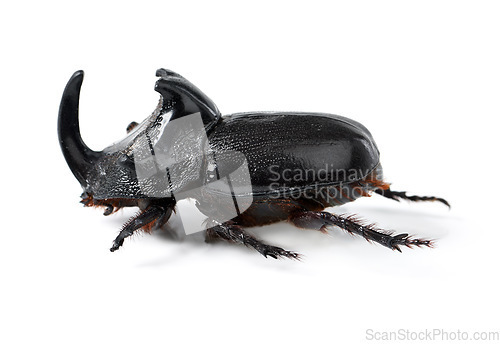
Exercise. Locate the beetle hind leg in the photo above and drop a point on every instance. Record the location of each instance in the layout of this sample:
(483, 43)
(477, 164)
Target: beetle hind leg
(398, 195)
(320, 220)
(232, 232)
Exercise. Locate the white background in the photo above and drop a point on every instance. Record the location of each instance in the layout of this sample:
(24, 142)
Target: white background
(423, 76)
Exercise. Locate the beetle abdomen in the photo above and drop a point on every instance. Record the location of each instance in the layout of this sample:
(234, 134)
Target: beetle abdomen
(293, 151)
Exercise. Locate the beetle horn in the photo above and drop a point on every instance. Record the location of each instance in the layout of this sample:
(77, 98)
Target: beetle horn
(79, 157)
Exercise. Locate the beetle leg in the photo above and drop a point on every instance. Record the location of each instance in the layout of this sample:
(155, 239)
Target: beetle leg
(398, 195)
(232, 232)
(319, 220)
(142, 219)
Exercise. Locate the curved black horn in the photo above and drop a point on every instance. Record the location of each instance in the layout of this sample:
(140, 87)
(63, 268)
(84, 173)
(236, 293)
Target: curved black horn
(79, 157)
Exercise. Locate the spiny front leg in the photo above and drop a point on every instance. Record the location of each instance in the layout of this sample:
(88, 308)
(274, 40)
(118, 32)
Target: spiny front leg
(319, 220)
(232, 232)
(141, 220)
(398, 195)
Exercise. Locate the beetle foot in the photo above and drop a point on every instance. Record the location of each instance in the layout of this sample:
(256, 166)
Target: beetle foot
(116, 245)
(399, 195)
(277, 252)
(408, 241)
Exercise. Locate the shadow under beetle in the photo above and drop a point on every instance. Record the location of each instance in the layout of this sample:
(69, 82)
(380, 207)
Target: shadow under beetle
(297, 164)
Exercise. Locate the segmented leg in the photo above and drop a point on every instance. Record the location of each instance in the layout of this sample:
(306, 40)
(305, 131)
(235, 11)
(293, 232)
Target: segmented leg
(131, 126)
(319, 220)
(398, 195)
(141, 220)
(232, 232)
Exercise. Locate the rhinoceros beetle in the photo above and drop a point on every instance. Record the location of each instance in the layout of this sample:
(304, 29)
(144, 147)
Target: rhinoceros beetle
(243, 170)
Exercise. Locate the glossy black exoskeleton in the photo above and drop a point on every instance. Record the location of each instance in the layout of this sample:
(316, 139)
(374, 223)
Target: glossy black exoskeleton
(245, 169)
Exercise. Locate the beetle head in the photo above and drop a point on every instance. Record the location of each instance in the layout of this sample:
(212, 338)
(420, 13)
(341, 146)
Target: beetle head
(112, 172)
